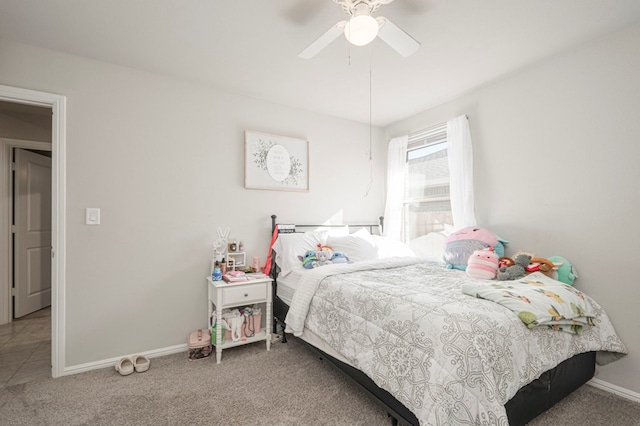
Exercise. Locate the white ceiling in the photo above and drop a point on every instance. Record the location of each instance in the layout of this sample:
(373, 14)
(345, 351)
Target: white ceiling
(250, 47)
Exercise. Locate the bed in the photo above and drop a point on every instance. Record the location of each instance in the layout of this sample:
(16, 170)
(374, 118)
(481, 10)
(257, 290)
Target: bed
(401, 328)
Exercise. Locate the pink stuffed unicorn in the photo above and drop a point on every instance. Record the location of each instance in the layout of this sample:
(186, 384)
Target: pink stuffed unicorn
(483, 264)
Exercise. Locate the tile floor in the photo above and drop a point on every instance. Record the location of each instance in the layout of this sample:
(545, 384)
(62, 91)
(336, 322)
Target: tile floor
(25, 349)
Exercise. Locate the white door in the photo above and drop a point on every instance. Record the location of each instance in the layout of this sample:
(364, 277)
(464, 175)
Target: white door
(32, 241)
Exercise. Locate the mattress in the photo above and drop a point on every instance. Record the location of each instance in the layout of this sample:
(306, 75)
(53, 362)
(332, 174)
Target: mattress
(531, 400)
(287, 285)
(284, 291)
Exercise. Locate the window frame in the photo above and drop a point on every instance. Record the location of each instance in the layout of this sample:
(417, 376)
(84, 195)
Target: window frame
(424, 138)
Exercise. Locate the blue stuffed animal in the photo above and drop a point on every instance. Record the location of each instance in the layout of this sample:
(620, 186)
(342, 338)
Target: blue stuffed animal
(566, 271)
(309, 260)
(339, 257)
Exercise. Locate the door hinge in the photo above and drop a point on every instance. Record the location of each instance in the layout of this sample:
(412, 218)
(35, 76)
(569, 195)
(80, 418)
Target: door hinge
(13, 166)
(13, 291)
(53, 253)
(13, 229)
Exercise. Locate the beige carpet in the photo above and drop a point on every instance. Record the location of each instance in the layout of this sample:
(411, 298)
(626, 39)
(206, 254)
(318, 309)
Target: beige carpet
(286, 386)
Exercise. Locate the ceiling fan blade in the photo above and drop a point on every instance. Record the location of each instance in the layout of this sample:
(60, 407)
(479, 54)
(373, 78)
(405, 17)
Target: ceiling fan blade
(399, 40)
(323, 41)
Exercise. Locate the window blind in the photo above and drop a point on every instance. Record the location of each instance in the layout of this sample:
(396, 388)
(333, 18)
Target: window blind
(429, 136)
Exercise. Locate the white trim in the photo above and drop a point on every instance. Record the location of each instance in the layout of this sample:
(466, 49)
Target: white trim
(27, 144)
(111, 362)
(170, 350)
(615, 389)
(57, 103)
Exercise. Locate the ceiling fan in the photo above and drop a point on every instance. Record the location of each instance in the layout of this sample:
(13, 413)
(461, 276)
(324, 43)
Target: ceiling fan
(362, 28)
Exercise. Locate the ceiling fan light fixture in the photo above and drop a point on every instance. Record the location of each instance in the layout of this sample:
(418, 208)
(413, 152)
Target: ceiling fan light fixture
(361, 29)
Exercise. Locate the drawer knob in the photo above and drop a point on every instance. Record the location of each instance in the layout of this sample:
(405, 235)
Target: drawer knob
(246, 295)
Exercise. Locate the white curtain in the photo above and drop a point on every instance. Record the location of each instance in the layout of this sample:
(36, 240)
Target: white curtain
(460, 153)
(396, 166)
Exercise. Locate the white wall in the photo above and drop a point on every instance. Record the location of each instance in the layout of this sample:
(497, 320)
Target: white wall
(164, 161)
(556, 151)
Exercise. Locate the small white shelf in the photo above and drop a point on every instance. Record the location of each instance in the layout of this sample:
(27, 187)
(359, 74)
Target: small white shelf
(239, 258)
(260, 337)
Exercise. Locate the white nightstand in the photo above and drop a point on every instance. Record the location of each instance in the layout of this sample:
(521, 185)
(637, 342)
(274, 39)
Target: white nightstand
(239, 294)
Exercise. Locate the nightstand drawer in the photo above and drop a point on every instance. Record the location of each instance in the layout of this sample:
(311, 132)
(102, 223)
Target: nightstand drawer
(244, 294)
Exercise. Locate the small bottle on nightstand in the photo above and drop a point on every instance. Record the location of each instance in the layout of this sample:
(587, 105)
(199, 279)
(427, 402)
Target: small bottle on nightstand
(217, 273)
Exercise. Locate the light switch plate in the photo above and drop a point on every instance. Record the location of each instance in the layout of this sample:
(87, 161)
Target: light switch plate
(92, 216)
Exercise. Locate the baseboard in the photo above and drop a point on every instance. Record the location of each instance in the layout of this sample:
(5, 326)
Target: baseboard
(111, 362)
(617, 390)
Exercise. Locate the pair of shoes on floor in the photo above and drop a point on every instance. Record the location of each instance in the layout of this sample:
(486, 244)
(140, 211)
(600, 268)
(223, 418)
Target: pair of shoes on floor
(127, 365)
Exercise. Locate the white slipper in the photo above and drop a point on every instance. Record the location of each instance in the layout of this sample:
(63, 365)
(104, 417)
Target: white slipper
(141, 363)
(124, 366)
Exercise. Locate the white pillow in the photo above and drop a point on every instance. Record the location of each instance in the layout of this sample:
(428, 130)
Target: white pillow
(289, 246)
(430, 246)
(335, 232)
(388, 247)
(357, 246)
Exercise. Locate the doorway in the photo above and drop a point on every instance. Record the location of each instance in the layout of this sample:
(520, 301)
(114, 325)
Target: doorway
(56, 105)
(25, 342)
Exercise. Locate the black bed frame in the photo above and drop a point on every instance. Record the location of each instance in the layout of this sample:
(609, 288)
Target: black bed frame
(530, 401)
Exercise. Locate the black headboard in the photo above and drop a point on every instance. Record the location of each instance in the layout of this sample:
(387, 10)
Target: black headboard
(290, 228)
(302, 228)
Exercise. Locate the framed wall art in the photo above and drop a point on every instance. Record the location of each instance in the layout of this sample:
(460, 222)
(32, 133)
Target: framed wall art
(275, 162)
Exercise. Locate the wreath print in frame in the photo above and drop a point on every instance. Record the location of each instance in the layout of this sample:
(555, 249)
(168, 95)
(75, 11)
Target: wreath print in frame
(276, 162)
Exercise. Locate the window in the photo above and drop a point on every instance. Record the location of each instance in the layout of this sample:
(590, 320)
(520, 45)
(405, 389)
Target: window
(427, 206)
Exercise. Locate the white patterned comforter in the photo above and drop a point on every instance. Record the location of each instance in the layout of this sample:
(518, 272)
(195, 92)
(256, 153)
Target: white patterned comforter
(450, 358)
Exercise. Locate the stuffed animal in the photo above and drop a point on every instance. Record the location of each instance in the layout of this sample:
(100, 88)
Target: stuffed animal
(483, 264)
(540, 264)
(323, 257)
(505, 261)
(309, 260)
(325, 248)
(566, 272)
(460, 245)
(516, 271)
(314, 258)
(339, 257)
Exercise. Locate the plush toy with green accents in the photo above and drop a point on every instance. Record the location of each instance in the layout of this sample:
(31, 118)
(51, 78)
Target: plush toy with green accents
(566, 271)
(309, 260)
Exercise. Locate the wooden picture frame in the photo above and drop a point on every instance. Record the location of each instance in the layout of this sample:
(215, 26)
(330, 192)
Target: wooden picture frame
(276, 162)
